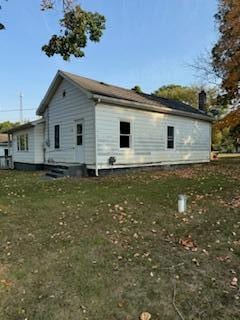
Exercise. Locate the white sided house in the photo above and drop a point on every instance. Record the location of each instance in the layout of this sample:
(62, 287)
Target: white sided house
(5, 151)
(100, 126)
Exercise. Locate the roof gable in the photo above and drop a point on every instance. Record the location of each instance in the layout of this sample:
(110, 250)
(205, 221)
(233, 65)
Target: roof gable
(53, 88)
(93, 87)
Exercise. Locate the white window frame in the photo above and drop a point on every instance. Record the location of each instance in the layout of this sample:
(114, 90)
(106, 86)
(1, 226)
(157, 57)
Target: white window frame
(25, 146)
(76, 122)
(130, 135)
(174, 137)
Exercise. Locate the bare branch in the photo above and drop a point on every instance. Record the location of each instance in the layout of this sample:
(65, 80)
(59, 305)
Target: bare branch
(203, 69)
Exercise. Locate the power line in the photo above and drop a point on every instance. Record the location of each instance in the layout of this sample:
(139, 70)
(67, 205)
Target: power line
(10, 110)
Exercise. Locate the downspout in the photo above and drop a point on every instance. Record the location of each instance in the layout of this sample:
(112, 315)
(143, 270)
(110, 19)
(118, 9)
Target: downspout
(96, 148)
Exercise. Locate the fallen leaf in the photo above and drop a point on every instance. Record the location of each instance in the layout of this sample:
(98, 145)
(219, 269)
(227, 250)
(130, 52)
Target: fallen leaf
(145, 316)
(188, 243)
(234, 282)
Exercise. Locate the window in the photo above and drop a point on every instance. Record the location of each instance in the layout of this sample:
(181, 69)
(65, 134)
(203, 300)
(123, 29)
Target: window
(125, 134)
(170, 137)
(57, 136)
(79, 134)
(22, 142)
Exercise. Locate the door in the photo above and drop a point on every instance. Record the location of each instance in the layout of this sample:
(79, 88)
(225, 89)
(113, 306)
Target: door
(79, 141)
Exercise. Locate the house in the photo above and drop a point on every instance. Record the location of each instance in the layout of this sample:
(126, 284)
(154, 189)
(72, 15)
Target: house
(101, 126)
(5, 151)
(4, 147)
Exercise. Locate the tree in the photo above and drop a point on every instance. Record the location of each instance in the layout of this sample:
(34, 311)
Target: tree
(216, 106)
(226, 132)
(6, 125)
(235, 133)
(186, 94)
(177, 92)
(137, 89)
(226, 53)
(77, 26)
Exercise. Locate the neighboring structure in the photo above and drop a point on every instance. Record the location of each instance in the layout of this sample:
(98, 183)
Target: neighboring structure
(4, 146)
(5, 151)
(28, 145)
(104, 127)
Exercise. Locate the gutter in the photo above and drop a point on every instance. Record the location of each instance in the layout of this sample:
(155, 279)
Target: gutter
(149, 107)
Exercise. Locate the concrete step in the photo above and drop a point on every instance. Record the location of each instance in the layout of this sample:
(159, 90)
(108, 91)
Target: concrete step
(54, 175)
(60, 171)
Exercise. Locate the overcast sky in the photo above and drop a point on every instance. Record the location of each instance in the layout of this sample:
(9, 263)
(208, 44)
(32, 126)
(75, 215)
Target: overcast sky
(148, 43)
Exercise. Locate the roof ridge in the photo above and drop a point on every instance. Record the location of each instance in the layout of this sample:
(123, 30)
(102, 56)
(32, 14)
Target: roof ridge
(113, 91)
(100, 82)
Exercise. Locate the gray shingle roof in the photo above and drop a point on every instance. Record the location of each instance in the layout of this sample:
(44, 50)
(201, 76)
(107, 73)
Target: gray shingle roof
(112, 91)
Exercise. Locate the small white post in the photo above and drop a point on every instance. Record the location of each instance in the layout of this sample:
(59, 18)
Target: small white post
(182, 203)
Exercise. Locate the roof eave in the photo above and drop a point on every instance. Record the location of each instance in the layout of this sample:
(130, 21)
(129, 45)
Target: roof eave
(148, 107)
(25, 126)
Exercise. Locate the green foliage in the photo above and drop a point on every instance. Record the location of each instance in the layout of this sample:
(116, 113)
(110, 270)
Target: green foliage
(77, 26)
(225, 140)
(185, 94)
(7, 125)
(137, 89)
(189, 94)
(229, 127)
(235, 133)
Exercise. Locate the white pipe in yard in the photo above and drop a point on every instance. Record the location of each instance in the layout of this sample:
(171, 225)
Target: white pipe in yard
(182, 203)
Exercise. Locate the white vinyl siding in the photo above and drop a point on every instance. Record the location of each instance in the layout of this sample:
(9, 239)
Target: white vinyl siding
(34, 154)
(23, 156)
(65, 111)
(39, 143)
(149, 137)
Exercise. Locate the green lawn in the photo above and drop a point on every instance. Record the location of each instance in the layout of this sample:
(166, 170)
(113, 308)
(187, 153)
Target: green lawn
(110, 248)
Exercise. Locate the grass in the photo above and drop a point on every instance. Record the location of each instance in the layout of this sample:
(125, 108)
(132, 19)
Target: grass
(112, 247)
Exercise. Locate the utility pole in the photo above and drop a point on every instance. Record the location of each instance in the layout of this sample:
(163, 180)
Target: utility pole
(21, 107)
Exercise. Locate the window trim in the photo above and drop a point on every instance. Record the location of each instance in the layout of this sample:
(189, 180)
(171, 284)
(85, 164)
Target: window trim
(76, 134)
(130, 135)
(174, 137)
(25, 142)
(59, 136)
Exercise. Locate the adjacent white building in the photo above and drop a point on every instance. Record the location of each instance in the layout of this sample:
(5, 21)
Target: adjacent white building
(4, 145)
(103, 126)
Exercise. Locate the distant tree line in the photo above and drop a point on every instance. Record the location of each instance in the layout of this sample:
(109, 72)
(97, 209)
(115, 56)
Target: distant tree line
(189, 95)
